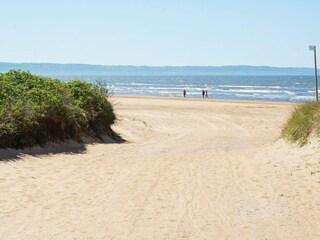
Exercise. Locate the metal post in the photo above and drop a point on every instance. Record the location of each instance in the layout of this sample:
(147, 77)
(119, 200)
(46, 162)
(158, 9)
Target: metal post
(313, 48)
(315, 73)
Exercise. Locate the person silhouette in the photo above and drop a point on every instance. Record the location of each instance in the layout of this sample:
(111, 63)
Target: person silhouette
(206, 94)
(184, 93)
(203, 93)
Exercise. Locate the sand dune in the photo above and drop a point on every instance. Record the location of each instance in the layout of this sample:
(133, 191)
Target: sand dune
(191, 169)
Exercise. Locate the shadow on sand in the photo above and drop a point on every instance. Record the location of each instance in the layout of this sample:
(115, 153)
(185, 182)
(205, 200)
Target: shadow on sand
(70, 147)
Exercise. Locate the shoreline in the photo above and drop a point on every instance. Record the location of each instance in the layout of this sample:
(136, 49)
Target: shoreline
(213, 100)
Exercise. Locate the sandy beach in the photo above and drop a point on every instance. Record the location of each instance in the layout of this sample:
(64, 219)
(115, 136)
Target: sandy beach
(190, 169)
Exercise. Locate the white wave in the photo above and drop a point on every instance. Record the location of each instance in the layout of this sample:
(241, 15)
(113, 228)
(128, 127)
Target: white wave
(306, 98)
(239, 86)
(253, 91)
(249, 86)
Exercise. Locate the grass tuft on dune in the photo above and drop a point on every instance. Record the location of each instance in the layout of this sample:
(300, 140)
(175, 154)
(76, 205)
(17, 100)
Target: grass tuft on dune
(35, 110)
(303, 121)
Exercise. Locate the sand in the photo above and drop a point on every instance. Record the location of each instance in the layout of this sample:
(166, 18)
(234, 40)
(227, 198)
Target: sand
(190, 169)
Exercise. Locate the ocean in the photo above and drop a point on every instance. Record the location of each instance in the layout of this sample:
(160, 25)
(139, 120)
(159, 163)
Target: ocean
(260, 88)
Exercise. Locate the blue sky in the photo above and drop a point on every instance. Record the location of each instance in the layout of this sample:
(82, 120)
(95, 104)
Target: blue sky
(160, 33)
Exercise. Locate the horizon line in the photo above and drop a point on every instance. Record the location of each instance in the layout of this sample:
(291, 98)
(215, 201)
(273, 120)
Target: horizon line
(155, 66)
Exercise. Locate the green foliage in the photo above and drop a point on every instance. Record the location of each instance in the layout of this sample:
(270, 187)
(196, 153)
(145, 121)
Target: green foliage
(35, 110)
(303, 121)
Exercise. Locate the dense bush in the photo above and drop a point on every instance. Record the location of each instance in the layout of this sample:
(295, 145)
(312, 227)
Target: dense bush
(303, 121)
(35, 110)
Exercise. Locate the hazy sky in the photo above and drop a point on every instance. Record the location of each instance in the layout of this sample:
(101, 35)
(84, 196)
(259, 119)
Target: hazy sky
(160, 32)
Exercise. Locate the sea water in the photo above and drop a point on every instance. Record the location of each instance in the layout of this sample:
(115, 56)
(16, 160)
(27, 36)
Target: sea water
(260, 88)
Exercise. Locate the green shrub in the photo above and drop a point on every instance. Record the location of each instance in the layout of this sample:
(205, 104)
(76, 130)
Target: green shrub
(35, 110)
(303, 121)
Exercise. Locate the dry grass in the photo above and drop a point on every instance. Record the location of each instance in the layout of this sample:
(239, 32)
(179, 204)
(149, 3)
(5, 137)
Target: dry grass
(303, 121)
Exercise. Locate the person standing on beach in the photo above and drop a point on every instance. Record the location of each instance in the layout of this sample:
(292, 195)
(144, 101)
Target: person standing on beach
(184, 93)
(207, 94)
(203, 93)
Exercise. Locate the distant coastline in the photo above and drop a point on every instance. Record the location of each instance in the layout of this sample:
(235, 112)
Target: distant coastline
(87, 69)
